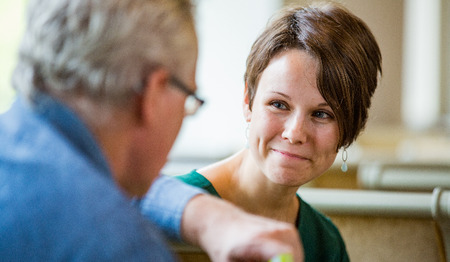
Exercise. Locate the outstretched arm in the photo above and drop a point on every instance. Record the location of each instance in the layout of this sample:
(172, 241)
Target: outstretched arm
(225, 232)
(229, 234)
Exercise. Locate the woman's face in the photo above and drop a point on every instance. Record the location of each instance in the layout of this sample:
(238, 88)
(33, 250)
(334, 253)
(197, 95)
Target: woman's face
(293, 132)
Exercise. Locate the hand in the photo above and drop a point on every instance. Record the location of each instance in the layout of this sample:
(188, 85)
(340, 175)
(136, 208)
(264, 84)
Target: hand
(227, 233)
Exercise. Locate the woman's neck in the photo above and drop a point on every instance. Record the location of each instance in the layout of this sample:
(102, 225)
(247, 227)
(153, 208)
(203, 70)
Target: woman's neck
(239, 180)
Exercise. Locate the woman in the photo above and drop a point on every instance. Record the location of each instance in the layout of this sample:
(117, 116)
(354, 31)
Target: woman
(309, 80)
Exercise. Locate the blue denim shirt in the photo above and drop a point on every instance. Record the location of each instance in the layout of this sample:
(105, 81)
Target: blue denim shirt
(58, 200)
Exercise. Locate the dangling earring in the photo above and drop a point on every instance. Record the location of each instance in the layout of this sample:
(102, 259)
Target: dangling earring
(247, 130)
(344, 166)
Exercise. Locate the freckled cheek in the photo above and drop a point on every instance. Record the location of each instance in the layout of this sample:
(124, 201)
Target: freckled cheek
(327, 142)
(262, 132)
(335, 137)
(325, 149)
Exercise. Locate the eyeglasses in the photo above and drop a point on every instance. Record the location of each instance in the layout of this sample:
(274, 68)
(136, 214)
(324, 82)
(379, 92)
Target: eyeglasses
(193, 102)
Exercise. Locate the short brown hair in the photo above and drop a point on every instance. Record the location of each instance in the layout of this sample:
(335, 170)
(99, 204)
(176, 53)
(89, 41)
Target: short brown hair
(348, 56)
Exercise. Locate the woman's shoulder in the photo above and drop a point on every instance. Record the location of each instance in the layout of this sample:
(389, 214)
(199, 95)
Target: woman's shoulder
(196, 179)
(192, 178)
(310, 216)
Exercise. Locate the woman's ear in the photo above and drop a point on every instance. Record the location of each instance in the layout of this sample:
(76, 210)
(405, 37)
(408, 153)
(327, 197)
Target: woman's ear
(246, 105)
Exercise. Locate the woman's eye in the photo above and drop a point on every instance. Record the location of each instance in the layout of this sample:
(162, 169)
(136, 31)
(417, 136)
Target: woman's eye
(322, 115)
(279, 105)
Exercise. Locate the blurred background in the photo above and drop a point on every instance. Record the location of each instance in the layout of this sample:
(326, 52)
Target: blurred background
(11, 28)
(410, 115)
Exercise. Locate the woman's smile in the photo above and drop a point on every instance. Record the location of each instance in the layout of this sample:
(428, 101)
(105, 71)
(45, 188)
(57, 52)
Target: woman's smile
(290, 155)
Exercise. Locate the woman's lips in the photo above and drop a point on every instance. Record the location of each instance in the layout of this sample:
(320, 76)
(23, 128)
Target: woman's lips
(288, 154)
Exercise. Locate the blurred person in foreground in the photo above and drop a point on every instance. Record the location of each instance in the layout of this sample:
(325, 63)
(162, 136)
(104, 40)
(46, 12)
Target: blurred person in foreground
(103, 87)
(308, 85)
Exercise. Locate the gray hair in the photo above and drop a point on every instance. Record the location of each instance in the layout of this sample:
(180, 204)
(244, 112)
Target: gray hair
(101, 49)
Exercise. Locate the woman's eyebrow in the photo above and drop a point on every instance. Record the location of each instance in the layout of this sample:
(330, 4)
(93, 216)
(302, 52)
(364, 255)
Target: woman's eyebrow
(281, 94)
(323, 104)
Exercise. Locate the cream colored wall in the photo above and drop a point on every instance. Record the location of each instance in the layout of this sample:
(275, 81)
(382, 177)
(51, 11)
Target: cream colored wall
(445, 62)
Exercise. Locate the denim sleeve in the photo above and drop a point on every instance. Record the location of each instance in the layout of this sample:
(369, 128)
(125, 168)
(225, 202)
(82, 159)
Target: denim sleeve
(164, 204)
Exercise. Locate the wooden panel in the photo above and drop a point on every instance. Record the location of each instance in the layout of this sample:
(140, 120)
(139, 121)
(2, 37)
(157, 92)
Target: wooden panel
(389, 239)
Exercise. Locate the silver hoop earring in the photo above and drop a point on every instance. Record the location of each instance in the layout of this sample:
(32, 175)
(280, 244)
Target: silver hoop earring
(344, 166)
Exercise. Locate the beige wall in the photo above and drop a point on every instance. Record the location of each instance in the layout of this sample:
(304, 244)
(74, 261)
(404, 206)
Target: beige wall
(385, 18)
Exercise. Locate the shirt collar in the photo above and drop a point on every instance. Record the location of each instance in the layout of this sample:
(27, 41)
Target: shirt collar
(70, 126)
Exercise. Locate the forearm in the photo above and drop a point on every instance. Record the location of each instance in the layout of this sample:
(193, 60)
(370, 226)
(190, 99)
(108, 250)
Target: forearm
(165, 203)
(201, 214)
(227, 233)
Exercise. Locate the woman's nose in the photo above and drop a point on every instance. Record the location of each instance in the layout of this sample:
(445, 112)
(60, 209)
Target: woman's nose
(295, 129)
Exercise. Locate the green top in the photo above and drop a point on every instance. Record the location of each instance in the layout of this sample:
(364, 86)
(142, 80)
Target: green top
(320, 237)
